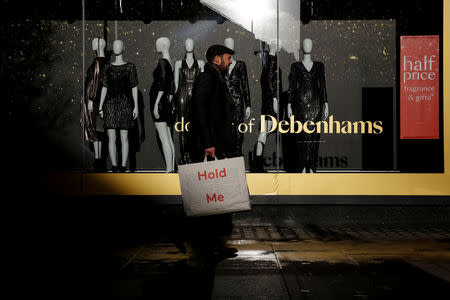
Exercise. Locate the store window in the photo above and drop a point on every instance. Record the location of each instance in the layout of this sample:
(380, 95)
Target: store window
(342, 86)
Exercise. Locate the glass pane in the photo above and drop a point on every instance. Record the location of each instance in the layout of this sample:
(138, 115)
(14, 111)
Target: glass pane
(181, 34)
(344, 84)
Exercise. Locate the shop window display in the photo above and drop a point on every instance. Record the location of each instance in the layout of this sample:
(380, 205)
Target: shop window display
(350, 78)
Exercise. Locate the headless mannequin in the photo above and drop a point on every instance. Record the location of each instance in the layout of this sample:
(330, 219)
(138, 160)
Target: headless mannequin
(118, 49)
(262, 137)
(165, 136)
(308, 63)
(98, 45)
(229, 42)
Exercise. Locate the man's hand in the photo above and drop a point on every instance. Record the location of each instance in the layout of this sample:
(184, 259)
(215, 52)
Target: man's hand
(210, 151)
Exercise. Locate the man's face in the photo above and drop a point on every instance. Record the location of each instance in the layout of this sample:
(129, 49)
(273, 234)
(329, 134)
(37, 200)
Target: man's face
(223, 61)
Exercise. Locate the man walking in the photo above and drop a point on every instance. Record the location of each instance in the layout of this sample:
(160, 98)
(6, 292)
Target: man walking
(211, 129)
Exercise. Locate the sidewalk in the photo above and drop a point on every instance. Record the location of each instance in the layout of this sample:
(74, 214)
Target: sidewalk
(285, 263)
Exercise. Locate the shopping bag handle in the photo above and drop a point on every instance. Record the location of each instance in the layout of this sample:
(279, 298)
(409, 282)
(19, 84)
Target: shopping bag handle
(206, 159)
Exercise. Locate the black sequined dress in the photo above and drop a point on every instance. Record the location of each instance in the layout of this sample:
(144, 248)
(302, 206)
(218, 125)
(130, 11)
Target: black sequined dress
(269, 85)
(237, 82)
(307, 96)
(119, 104)
(183, 96)
(162, 81)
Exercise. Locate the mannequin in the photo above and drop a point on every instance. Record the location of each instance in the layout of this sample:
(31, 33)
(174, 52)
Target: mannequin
(119, 103)
(93, 123)
(185, 73)
(237, 82)
(307, 102)
(270, 102)
(161, 94)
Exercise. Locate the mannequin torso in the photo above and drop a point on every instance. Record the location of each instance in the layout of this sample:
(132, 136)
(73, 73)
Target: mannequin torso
(307, 62)
(229, 43)
(233, 63)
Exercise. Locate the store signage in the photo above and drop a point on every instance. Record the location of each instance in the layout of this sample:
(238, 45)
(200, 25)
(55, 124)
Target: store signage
(419, 87)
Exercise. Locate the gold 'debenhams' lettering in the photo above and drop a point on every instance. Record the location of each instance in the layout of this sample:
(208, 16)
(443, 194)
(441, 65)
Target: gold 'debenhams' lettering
(331, 126)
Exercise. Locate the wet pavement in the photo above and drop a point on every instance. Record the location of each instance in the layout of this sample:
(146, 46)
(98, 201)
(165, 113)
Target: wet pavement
(305, 262)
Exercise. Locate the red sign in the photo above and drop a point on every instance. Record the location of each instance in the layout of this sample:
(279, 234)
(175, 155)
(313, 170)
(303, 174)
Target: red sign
(419, 85)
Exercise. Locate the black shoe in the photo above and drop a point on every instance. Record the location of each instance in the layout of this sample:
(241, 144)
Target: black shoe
(225, 252)
(114, 169)
(122, 169)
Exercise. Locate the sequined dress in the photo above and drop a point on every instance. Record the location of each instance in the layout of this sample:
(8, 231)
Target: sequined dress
(237, 82)
(269, 85)
(183, 96)
(308, 93)
(119, 104)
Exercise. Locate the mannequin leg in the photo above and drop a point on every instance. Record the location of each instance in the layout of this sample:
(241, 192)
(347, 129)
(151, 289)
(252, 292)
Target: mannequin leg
(172, 149)
(258, 161)
(125, 146)
(99, 164)
(239, 143)
(237, 137)
(161, 127)
(112, 146)
(262, 138)
(97, 150)
(100, 144)
(302, 144)
(181, 137)
(261, 142)
(314, 152)
(97, 155)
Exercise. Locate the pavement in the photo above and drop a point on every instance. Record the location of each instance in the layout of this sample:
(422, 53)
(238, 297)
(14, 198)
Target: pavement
(302, 262)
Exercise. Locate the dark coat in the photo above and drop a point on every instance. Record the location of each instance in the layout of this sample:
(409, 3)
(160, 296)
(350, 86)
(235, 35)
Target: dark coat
(211, 123)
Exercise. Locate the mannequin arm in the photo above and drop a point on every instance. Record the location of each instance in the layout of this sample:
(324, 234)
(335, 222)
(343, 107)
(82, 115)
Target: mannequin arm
(289, 110)
(201, 65)
(135, 99)
(155, 109)
(90, 106)
(102, 100)
(176, 74)
(292, 89)
(325, 110)
(247, 112)
(275, 105)
(244, 85)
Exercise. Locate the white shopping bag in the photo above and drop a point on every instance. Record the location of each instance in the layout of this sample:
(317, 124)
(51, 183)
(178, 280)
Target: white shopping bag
(214, 187)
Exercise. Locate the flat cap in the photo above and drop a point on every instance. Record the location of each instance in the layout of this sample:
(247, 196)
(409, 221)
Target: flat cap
(217, 50)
